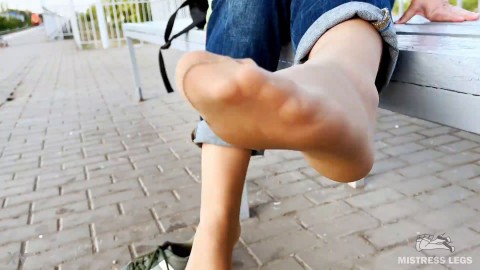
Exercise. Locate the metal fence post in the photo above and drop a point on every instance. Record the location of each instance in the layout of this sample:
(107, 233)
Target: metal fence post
(102, 25)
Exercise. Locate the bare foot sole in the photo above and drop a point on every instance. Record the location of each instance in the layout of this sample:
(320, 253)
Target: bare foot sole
(255, 109)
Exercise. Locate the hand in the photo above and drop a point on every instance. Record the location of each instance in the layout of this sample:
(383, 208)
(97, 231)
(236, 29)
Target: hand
(437, 11)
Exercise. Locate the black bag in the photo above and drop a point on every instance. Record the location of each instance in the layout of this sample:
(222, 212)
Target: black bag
(198, 11)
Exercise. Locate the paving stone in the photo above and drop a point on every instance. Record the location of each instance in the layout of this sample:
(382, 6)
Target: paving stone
(125, 235)
(386, 165)
(323, 212)
(258, 197)
(393, 234)
(402, 149)
(255, 230)
(447, 217)
(460, 158)
(58, 239)
(337, 254)
(389, 212)
(382, 135)
(279, 179)
(83, 185)
(439, 140)
(420, 185)
(460, 173)
(340, 227)
(181, 220)
(8, 223)
(444, 196)
(379, 156)
(60, 211)
(457, 147)
(87, 217)
(390, 259)
(60, 200)
(32, 196)
(14, 211)
(6, 177)
(421, 156)
(329, 195)
(283, 264)
(473, 202)
(179, 236)
(105, 259)
(18, 190)
(471, 184)
(284, 207)
(328, 183)
(374, 198)
(241, 259)
(401, 130)
(467, 135)
(283, 245)
(387, 179)
(380, 145)
(9, 255)
(27, 232)
(437, 131)
(412, 137)
(287, 166)
(53, 257)
(118, 197)
(422, 169)
(293, 189)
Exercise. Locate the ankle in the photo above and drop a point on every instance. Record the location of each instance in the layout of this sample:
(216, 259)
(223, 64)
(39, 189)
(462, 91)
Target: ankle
(221, 231)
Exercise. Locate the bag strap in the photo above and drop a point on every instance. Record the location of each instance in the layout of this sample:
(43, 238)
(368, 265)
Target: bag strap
(168, 41)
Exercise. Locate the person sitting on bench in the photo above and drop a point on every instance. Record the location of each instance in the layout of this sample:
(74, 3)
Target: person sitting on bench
(324, 107)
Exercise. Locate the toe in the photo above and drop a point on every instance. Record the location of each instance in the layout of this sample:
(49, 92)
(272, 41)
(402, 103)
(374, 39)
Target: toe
(190, 60)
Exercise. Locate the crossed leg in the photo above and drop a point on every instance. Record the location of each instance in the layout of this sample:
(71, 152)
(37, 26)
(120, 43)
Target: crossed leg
(325, 108)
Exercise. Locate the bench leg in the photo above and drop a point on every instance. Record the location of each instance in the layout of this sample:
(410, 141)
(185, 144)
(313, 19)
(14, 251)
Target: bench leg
(357, 184)
(135, 70)
(244, 209)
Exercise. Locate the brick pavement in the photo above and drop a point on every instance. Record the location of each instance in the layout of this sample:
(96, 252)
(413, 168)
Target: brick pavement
(91, 178)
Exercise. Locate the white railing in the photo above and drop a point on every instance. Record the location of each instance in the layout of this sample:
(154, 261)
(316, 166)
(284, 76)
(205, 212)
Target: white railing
(98, 23)
(56, 25)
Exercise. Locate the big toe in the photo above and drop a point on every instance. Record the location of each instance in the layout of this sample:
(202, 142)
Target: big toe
(190, 60)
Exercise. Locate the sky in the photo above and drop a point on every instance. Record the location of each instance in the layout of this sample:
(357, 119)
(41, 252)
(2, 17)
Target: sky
(36, 5)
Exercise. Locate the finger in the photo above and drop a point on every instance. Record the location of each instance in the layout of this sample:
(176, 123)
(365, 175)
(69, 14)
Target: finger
(411, 11)
(447, 15)
(468, 15)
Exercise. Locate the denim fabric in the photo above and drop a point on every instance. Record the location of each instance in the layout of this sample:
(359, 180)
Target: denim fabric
(257, 29)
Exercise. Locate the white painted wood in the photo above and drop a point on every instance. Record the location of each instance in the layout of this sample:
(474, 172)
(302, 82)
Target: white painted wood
(135, 70)
(441, 106)
(357, 184)
(102, 24)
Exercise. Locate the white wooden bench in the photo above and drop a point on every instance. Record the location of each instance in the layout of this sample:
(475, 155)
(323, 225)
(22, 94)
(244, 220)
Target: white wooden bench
(437, 76)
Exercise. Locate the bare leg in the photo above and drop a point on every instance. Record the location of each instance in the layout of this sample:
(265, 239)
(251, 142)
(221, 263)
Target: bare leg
(325, 108)
(223, 175)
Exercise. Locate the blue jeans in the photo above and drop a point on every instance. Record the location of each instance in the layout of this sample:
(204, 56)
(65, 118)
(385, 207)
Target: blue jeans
(258, 29)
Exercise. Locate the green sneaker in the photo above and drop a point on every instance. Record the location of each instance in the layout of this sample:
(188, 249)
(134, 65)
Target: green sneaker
(169, 256)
